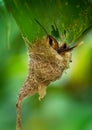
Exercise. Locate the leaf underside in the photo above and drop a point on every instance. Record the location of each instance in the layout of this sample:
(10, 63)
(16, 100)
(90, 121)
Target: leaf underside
(70, 17)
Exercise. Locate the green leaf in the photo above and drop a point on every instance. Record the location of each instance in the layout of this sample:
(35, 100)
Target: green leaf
(70, 18)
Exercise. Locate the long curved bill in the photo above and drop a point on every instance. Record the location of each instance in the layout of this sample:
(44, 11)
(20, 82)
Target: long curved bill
(65, 48)
(77, 45)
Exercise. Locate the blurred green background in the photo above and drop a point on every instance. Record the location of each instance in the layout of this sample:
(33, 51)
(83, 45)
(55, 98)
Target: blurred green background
(68, 103)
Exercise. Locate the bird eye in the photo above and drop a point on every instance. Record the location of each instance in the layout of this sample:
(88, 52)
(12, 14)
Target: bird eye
(64, 46)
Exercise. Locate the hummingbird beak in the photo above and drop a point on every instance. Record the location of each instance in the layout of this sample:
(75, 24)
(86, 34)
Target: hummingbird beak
(77, 45)
(65, 48)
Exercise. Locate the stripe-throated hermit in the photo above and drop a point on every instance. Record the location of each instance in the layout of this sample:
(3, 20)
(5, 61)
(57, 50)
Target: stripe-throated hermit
(47, 61)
